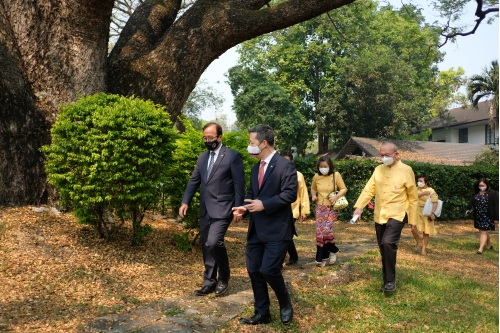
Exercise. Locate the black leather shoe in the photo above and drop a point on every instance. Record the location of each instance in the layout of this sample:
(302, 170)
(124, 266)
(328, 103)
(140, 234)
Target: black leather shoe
(256, 319)
(291, 262)
(206, 290)
(221, 288)
(286, 313)
(390, 286)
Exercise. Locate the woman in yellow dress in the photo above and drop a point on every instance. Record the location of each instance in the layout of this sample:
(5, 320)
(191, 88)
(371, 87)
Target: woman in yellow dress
(324, 182)
(424, 223)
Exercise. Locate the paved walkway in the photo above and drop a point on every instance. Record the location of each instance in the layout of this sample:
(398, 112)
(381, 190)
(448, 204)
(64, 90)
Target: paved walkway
(187, 314)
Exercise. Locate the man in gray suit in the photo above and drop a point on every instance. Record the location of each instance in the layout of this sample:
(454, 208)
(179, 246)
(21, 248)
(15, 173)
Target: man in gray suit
(221, 174)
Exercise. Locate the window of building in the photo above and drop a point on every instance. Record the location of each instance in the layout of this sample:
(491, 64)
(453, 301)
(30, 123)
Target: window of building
(463, 135)
(490, 137)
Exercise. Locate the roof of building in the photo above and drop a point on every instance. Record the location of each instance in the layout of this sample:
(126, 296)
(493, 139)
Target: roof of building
(419, 151)
(460, 116)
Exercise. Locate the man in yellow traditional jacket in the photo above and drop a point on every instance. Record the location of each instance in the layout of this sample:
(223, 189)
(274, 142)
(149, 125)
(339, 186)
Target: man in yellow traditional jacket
(300, 208)
(396, 203)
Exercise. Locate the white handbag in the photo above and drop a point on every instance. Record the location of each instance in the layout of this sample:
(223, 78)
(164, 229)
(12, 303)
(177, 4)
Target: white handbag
(428, 207)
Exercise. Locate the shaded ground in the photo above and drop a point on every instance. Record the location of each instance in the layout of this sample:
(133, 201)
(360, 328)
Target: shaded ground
(56, 276)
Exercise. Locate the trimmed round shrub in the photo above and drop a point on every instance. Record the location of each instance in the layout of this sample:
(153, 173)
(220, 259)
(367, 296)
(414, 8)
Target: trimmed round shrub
(108, 155)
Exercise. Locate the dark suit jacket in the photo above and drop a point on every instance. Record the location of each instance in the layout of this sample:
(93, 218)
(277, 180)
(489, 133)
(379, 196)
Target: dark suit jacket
(277, 193)
(224, 189)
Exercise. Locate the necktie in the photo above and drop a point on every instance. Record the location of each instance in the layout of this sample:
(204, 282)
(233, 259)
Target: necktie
(211, 164)
(261, 172)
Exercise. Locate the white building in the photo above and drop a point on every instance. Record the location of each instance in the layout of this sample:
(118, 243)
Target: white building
(466, 126)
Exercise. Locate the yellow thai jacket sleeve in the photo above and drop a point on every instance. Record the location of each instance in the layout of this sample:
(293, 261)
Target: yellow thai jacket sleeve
(395, 193)
(302, 202)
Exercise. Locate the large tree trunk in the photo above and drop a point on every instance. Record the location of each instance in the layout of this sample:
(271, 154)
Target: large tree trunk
(53, 51)
(49, 53)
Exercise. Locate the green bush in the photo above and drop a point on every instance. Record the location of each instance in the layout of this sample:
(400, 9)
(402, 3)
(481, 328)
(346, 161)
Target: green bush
(453, 184)
(107, 157)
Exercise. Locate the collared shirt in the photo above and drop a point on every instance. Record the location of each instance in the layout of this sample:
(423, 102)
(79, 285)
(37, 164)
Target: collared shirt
(215, 156)
(395, 193)
(301, 205)
(267, 160)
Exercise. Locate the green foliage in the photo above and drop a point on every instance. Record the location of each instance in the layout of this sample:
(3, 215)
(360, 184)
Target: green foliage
(259, 100)
(203, 97)
(361, 70)
(182, 241)
(188, 146)
(107, 157)
(453, 184)
(483, 86)
(487, 158)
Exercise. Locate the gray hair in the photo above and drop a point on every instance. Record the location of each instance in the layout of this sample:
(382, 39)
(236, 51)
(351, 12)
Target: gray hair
(391, 144)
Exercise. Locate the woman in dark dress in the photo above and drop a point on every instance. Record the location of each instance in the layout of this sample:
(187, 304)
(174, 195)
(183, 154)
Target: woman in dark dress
(484, 200)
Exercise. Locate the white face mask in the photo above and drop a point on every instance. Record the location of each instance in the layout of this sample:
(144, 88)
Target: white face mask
(482, 188)
(420, 184)
(387, 160)
(324, 171)
(254, 150)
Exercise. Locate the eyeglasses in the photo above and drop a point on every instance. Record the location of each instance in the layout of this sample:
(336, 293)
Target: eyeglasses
(210, 138)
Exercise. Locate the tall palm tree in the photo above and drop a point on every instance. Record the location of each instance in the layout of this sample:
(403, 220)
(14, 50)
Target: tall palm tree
(485, 85)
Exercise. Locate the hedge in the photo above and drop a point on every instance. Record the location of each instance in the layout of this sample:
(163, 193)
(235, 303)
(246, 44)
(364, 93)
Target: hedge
(453, 184)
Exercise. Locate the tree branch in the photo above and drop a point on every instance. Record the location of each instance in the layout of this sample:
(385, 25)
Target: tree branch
(480, 14)
(145, 27)
(203, 33)
(339, 32)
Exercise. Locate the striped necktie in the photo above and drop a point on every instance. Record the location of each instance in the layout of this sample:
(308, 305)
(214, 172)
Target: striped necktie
(211, 164)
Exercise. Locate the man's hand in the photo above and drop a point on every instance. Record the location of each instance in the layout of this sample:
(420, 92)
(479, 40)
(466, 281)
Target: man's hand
(238, 213)
(254, 205)
(183, 210)
(358, 212)
(237, 217)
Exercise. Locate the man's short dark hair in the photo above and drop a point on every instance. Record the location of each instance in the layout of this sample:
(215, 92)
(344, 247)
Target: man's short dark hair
(287, 154)
(264, 132)
(217, 127)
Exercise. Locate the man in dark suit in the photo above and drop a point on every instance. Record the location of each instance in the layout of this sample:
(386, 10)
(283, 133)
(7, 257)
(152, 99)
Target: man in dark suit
(221, 174)
(273, 188)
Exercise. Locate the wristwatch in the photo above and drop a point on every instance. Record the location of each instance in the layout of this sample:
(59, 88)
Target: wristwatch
(433, 214)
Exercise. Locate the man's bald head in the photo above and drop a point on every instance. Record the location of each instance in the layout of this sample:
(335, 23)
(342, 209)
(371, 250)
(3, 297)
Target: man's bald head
(390, 146)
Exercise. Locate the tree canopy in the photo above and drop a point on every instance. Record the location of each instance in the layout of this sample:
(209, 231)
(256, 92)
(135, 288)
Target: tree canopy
(361, 70)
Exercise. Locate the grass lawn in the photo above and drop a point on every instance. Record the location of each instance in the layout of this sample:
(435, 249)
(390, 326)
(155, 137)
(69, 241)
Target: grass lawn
(55, 276)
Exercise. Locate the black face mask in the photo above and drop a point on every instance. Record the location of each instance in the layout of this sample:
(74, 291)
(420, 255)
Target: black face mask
(212, 145)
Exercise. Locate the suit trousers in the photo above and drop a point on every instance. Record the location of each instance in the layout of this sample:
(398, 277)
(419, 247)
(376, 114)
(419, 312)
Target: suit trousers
(214, 251)
(388, 236)
(264, 264)
(292, 251)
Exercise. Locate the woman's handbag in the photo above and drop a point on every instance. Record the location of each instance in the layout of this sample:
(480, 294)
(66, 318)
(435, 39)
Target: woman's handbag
(428, 207)
(341, 202)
